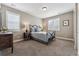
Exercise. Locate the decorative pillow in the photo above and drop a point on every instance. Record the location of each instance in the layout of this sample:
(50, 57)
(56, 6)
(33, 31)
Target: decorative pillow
(38, 29)
(35, 28)
(32, 29)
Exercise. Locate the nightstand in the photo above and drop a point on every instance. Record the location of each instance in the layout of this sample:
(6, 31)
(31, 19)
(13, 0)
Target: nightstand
(26, 36)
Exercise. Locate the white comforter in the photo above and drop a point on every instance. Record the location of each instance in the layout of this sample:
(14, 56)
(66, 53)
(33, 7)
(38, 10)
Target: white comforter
(41, 35)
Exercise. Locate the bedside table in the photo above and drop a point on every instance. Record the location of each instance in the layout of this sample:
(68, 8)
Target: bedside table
(26, 36)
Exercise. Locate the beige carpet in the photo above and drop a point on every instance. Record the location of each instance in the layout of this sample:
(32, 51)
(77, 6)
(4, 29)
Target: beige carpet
(33, 48)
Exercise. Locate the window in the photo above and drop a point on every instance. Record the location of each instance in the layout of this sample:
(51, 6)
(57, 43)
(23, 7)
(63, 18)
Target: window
(13, 21)
(54, 24)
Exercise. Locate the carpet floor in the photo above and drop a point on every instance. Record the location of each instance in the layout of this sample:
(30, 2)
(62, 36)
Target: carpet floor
(57, 47)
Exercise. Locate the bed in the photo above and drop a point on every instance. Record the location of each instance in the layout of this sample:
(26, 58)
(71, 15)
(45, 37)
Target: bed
(38, 35)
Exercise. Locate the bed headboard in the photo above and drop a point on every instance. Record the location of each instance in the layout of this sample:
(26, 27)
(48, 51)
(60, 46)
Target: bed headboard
(34, 28)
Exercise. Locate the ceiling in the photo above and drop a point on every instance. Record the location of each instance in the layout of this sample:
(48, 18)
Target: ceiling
(35, 9)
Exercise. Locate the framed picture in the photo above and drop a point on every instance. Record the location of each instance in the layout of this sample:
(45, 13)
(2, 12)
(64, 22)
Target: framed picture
(66, 22)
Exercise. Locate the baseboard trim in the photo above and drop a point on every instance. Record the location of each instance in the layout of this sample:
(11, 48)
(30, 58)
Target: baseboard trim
(18, 40)
(70, 39)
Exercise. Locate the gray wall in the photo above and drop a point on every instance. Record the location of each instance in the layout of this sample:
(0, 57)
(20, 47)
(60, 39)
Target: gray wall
(65, 31)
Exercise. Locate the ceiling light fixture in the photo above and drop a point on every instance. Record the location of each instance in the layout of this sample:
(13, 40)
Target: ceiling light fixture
(44, 8)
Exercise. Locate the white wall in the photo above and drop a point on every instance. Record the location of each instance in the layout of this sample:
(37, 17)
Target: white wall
(78, 28)
(0, 5)
(29, 19)
(75, 26)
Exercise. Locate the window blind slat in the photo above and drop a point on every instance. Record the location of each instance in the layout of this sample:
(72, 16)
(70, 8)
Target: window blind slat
(54, 24)
(13, 21)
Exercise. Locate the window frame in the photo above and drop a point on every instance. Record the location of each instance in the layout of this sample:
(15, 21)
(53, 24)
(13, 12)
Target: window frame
(53, 21)
(13, 13)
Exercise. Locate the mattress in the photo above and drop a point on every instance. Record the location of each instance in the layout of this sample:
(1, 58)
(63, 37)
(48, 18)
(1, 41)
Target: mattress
(41, 35)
